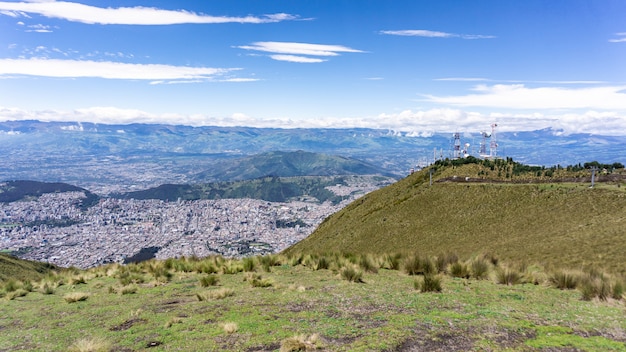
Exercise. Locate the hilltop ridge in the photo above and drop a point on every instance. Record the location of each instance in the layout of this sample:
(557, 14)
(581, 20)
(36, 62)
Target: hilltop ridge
(542, 215)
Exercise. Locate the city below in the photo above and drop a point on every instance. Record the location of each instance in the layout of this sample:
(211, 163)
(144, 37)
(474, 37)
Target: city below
(51, 228)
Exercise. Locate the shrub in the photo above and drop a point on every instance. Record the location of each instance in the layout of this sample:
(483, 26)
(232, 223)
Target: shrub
(564, 280)
(75, 297)
(508, 277)
(458, 269)
(352, 274)
(90, 345)
(209, 280)
(430, 283)
(480, 268)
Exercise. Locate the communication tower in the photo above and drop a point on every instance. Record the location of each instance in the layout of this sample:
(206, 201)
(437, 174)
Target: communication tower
(457, 145)
(482, 150)
(493, 147)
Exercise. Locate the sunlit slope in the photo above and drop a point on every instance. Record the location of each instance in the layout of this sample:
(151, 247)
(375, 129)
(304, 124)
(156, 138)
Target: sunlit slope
(19, 269)
(561, 224)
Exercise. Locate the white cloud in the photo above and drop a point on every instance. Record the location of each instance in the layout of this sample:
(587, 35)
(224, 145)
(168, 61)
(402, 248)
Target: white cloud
(299, 48)
(76, 12)
(411, 123)
(293, 52)
(621, 38)
(518, 96)
(434, 34)
(106, 69)
(295, 58)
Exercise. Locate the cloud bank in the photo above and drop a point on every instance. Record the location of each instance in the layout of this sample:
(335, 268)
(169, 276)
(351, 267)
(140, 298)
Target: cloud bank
(410, 122)
(76, 12)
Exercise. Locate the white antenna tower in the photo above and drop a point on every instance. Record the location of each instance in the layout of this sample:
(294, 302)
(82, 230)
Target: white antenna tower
(493, 147)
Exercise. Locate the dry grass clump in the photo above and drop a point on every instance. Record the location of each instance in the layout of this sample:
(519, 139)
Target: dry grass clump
(172, 321)
(20, 292)
(351, 273)
(564, 280)
(479, 268)
(509, 277)
(215, 294)
(209, 280)
(256, 280)
(300, 343)
(430, 283)
(73, 297)
(444, 260)
(230, 327)
(392, 261)
(124, 290)
(90, 345)
(418, 265)
(368, 263)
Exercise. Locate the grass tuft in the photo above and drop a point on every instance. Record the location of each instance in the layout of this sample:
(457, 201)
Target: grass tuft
(459, 269)
(73, 297)
(564, 280)
(300, 343)
(508, 277)
(90, 345)
(351, 274)
(209, 280)
(230, 327)
(215, 294)
(430, 283)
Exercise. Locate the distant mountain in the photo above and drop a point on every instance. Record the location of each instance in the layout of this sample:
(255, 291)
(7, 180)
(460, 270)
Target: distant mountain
(123, 157)
(289, 164)
(516, 212)
(271, 189)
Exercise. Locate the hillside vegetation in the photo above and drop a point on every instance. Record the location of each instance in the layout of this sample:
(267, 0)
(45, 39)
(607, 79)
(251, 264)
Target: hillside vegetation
(306, 303)
(20, 269)
(271, 189)
(548, 216)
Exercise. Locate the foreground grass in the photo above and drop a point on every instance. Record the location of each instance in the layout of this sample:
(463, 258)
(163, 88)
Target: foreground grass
(309, 307)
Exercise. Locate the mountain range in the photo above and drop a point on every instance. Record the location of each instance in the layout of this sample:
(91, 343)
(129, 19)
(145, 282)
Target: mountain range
(139, 156)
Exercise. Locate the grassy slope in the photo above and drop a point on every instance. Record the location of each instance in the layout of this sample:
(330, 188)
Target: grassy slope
(559, 224)
(383, 314)
(19, 269)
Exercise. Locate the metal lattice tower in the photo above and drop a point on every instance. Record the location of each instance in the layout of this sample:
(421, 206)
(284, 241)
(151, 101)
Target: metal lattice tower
(493, 147)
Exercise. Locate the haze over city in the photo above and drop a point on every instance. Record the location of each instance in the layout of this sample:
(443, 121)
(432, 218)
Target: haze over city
(422, 67)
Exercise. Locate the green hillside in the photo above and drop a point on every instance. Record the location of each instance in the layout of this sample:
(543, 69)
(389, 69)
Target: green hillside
(19, 269)
(546, 216)
(288, 164)
(271, 189)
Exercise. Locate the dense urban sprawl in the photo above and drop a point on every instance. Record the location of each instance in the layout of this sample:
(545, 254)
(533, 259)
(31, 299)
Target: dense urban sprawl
(53, 229)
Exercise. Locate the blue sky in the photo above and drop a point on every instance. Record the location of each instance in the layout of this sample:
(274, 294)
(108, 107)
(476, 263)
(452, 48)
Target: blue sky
(413, 66)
